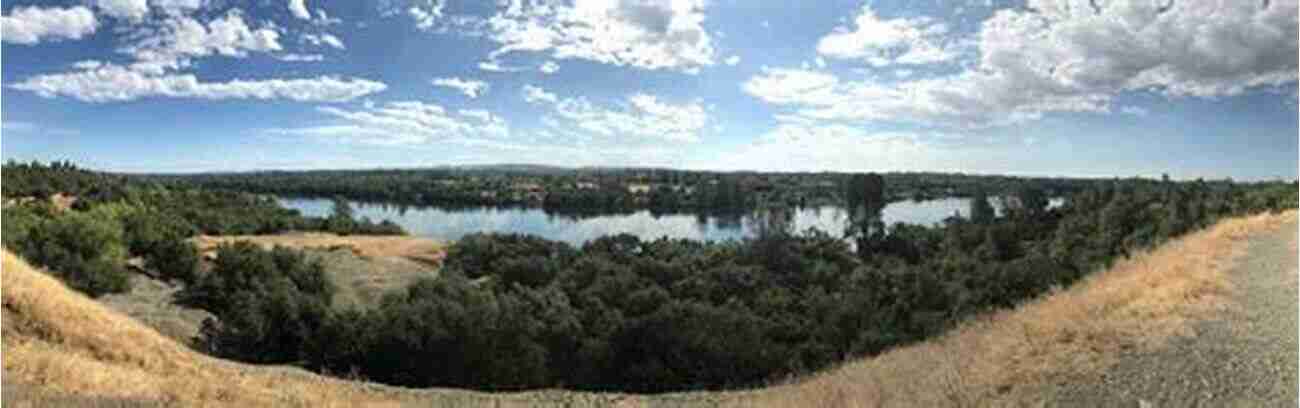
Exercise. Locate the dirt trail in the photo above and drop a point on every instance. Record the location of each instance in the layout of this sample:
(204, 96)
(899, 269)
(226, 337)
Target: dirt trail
(1246, 357)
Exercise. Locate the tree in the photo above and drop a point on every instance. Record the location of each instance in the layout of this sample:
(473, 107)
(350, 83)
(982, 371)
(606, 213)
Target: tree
(981, 212)
(865, 199)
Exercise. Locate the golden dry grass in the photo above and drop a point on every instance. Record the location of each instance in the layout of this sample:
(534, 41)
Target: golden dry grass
(405, 246)
(63, 342)
(1007, 358)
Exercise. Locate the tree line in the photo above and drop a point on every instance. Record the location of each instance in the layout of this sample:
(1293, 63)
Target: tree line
(586, 191)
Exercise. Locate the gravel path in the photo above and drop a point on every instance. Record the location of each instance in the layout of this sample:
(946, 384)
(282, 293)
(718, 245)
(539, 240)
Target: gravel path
(1245, 358)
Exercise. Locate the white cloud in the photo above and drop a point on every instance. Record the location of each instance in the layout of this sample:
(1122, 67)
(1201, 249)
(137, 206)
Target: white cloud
(495, 66)
(31, 25)
(641, 118)
(533, 94)
(299, 9)
(647, 35)
(406, 123)
(480, 114)
(426, 13)
(470, 87)
(549, 67)
(1053, 58)
(884, 42)
(323, 39)
(183, 37)
(177, 7)
(112, 83)
(300, 57)
(1199, 48)
(128, 9)
(87, 64)
(1135, 111)
(732, 60)
(793, 86)
(324, 19)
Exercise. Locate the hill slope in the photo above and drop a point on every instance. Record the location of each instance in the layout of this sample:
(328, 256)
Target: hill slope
(60, 346)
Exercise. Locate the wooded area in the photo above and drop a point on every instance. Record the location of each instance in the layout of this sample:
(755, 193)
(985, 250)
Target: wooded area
(618, 313)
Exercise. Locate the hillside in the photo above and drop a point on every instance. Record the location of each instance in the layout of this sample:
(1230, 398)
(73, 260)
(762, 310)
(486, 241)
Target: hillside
(62, 347)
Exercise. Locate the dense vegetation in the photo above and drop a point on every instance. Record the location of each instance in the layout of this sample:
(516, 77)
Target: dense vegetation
(620, 313)
(584, 191)
(114, 219)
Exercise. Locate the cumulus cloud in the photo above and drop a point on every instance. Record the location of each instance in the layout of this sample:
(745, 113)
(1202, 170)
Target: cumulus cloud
(405, 123)
(323, 39)
(640, 118)
(128, 9)
(648, 35)
(885, 42)
(182, 38)
(1058, 56)
(31, 25)
(1199, 48)
(113, 83)
(470, 87)
(732, 60)
(299, 9)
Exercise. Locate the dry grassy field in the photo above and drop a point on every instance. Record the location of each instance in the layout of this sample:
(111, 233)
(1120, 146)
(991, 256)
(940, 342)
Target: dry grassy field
(59, 345)
(403, 246)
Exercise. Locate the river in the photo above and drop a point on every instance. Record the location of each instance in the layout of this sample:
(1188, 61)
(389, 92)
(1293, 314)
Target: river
(451, 224)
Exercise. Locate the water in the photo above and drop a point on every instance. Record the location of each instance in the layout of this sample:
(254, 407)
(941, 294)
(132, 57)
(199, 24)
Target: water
(451, 224)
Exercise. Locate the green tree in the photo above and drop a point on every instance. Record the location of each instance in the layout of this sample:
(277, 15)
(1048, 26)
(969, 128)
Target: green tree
(981, 211)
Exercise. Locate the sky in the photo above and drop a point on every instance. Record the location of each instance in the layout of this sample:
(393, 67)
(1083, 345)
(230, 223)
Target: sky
(1203, 88)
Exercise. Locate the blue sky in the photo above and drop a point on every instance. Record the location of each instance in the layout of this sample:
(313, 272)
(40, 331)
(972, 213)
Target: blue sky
(1125, 87)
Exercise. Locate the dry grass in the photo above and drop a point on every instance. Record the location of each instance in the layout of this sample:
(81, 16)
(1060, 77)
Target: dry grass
(63, 343)
(1008, 358)
(414, 248)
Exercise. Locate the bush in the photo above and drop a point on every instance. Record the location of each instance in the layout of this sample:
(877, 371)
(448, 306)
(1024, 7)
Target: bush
(268, 304)
(85, 250)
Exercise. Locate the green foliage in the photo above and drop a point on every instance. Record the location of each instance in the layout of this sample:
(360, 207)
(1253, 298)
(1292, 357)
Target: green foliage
(86, 250)
(981, 211)
(268, 304)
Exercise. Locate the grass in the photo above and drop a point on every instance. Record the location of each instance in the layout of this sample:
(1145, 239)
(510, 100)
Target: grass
(364, 267)
(403, 246)
(60, 344)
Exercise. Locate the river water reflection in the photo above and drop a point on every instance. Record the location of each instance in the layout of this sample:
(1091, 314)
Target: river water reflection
(451, 224)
